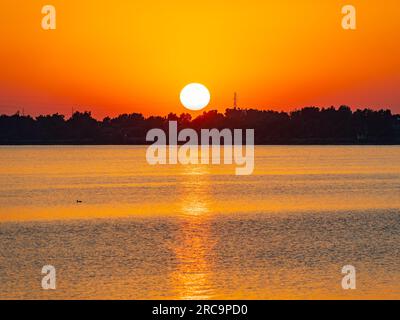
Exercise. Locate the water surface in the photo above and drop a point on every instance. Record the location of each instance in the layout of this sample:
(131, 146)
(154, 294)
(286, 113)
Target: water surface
(199, 231)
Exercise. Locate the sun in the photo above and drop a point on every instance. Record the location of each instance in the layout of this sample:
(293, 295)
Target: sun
(195, 96)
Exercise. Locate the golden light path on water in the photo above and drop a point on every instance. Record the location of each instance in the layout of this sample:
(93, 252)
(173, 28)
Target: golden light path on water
(191, 279)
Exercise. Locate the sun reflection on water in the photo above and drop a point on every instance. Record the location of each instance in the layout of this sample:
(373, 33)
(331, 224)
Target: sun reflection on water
(192, 277)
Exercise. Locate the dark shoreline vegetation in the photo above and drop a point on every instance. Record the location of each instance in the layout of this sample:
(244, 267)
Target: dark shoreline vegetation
(310, 125)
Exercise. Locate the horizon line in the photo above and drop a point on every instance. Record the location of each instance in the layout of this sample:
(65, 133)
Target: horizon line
(22, 113)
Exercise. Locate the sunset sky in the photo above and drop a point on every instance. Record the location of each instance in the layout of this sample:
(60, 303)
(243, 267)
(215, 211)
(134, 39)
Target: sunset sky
(126, 56)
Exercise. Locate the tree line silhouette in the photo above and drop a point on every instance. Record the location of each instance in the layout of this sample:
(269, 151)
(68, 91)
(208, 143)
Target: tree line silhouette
(310, 125)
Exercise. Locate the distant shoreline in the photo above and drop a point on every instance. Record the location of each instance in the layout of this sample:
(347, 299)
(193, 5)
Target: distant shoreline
(307, 126)
(22, 144)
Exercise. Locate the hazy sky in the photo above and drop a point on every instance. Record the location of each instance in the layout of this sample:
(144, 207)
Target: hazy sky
(128, 55)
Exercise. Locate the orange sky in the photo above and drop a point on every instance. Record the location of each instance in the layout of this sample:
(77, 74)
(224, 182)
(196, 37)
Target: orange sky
(135, 56)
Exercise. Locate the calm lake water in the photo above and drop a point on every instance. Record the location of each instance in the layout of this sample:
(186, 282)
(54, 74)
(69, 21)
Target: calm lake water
(199, 231)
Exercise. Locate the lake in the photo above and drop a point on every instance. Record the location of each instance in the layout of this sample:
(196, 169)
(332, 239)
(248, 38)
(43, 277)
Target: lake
(199, 231)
